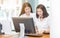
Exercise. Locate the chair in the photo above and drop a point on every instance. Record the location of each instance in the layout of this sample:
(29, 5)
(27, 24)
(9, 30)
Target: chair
(1, 28)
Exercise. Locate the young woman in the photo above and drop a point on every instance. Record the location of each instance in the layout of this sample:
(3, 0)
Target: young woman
(41, 21)
(26, 10)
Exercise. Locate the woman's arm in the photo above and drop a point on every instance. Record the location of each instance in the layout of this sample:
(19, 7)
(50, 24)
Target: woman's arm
(38, 32)
(36, 29)
(47, 30)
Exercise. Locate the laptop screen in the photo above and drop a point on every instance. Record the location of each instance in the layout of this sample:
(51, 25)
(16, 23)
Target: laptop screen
(28, 23)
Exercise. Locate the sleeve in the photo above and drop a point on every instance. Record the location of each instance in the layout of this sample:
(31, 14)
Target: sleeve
(48, 21)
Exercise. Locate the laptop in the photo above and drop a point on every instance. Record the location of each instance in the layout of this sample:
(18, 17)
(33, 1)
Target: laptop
(28, 23)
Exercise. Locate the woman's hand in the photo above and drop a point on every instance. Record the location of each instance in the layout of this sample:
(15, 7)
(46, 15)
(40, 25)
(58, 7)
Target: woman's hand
(36, 29)
(47, 30)
(38, 32)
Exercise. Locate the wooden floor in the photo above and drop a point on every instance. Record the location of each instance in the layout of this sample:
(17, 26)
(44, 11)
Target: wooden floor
(15, 36)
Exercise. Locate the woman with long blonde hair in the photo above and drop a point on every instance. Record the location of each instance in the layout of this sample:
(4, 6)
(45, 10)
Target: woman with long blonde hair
(26, 10)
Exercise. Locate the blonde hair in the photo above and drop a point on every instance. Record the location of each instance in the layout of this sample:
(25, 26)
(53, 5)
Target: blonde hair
(23, 7)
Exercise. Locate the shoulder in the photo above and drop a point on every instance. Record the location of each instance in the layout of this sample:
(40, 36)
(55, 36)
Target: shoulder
(47, 18)
(22, 15)
(33, 13)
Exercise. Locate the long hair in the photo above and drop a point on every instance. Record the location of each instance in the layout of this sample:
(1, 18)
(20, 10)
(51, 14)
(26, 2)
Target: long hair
(23, 7)
(45, 14)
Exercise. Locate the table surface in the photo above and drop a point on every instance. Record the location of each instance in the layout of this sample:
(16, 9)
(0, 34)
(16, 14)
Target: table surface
(15, 36)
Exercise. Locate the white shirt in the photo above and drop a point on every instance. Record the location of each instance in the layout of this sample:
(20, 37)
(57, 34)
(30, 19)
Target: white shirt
(24, 15)
(42, 25)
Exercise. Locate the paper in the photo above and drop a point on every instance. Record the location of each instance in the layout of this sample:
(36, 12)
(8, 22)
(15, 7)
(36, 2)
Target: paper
(22, 30)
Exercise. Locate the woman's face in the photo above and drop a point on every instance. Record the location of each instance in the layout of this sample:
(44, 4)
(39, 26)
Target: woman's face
(27, 10)
(39, 12)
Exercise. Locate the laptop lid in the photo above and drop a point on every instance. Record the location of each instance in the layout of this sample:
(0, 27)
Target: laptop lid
(28, 23)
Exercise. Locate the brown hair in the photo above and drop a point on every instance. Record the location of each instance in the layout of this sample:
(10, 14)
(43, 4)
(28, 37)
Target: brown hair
(45, 14)
(23, 7)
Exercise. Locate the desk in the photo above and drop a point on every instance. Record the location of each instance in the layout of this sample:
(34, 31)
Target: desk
(14, 36)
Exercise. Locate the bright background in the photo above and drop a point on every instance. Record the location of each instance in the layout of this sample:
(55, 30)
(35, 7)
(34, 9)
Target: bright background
(9, 5)
(55, 26)
(12, 8)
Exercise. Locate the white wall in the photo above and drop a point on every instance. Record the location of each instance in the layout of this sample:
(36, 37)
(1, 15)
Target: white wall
(9, 8)
(6, 26)
(55, 27)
